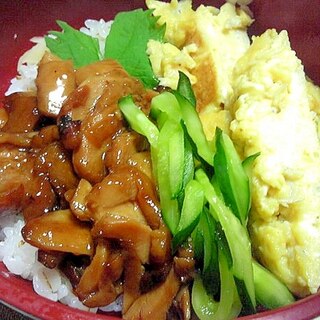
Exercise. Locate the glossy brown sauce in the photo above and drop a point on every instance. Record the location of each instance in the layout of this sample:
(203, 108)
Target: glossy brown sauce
(83, 182)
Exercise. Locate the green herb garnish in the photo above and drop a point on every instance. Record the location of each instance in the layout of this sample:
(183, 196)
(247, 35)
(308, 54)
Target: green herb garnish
(127, 43)
(71, 44)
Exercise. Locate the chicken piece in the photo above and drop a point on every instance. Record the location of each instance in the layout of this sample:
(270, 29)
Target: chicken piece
(83, 100)
(153, 276)
(160, 251)
(147, 199)
(155, 303)
(50, 259)
(107, 66)
(126, 224)
(97, 286)
(181, 306)
(78, 202)
(116, 188)
(127, 149)
(23, 140)
(132, 277)
(48, 232)
(102, 121)
(23, 114)
(128, 210)
(15, 177)
(97, 130)
(41, 197)
(93, 81)
(126, 184)
(74, 266)
(142, 161)
(184, 263)
(102, 124)
(69, 132)
(55, 81)
(45, 136)
(3, 117)
(13, 199)
(55, 161)
(122, 147)
(21, 189)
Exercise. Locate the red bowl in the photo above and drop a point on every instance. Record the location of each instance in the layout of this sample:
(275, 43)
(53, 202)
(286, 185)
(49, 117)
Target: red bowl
(20, 20)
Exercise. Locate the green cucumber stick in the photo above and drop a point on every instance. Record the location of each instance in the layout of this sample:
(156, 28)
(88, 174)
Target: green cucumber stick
(191, 120)
(270, 291)
(228, 306)
(166, 103)
(190, 213)
(138, 120)
(169, 204)
(231, 176)
(236, 235)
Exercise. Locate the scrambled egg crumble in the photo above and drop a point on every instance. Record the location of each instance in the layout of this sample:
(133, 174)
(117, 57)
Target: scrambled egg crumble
(259, 94)
(217, 38)
(272, 115)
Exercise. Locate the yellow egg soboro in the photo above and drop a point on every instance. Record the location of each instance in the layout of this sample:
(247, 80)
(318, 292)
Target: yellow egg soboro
(272, 115)
(260, 95)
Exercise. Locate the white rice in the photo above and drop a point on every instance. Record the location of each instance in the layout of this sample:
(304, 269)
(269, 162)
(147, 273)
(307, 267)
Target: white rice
(99, 30)
(28, 68)
(21, 259)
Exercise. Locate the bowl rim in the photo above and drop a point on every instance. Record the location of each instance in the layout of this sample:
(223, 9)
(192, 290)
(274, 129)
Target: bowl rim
(19, 295)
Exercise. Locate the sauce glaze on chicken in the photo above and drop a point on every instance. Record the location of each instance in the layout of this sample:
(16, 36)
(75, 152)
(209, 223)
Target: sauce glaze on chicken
(83, 182)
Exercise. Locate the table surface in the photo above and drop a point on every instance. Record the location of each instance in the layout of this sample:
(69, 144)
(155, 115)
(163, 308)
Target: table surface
(7, 313)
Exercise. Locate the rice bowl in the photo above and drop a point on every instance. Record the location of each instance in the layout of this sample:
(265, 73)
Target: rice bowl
(38, 305)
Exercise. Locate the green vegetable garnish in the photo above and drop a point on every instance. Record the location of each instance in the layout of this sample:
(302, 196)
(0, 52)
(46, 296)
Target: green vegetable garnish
(160, 154)
(231, 176)
(192, 123)
(169, 203)
(138, 120)
(190, 212)
(71, 44)
(237, 237)
(206, 250)
(228, 306)
(165, 103)
(127, 43)
(270, 291)
(211, 209)
(188, 170)
(176, 160)
(184, 88)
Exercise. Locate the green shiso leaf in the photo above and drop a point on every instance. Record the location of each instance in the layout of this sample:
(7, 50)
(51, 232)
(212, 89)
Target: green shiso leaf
(127, 43)
(71, 44)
